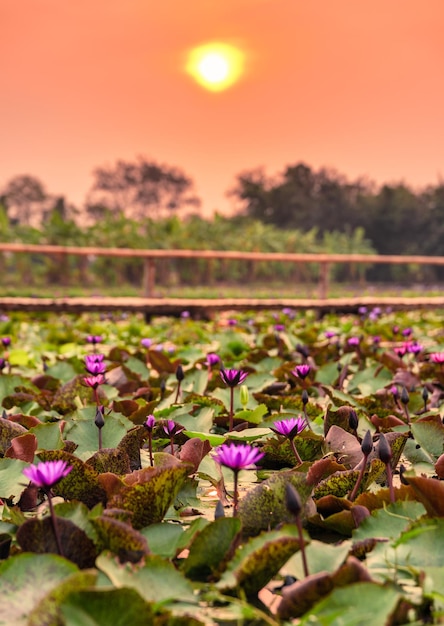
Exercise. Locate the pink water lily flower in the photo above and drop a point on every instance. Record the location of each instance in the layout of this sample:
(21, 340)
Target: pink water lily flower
(237, 456)
(233, 377)
(47, 473)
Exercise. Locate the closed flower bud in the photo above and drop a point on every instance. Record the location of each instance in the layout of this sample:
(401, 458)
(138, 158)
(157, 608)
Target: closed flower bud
(179, 373)
(384, 450)
(292, 500)
(99, 420)
(404, 397)
(353, 420)
(367, 443)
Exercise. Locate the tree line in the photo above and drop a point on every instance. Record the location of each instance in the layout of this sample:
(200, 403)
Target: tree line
(146, 204)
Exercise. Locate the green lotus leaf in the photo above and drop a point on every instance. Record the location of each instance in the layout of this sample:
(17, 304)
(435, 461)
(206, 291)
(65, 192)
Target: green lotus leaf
(259, 559)
(366, 604)
(148, 493)
(165, 538)
(341, 483)
(155, 579)
(37, 535)
(264, 506)
(210, 547)
(131, 444)
(49, 435)
(81, 483)
(85, 434)
(65, 398)
(128, 544)
(27, 580)
(429, 435)
(12, 480)
(112, 460)
(390, 521)
(102, 607)
(9, 430)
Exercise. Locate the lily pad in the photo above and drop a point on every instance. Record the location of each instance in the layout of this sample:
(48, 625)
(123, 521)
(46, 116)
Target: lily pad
(128, 544)
(366, 604)
(26, 580)
(37, 535)
(210, 547)
(155, 579)
(148, 493)
(259, 559)
(82, 482)
(102, 607)
(264, 506)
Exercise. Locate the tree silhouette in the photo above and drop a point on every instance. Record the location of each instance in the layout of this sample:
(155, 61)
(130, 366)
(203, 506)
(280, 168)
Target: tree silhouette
(26, 199)
(140, 189)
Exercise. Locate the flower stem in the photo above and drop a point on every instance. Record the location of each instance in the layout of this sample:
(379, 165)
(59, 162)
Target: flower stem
(353, 494)
(236, 493)
(176, 399)
(295, 452)
(54, 524)
(389, 472)
(172, 445)
(230, 426)
(302, 545)
(150, 448)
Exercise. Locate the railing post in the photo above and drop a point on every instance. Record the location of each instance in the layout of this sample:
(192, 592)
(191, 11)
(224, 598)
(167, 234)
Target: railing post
(323, 279)
(149, 278)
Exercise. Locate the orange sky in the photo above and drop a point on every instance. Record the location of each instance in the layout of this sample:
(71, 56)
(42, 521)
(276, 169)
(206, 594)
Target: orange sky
(352, 84)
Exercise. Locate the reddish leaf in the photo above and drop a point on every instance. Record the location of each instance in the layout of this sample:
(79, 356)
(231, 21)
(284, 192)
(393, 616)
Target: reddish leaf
(430, 492)
(439, 467)
(193, 451)
(322, 469)
(22, 448)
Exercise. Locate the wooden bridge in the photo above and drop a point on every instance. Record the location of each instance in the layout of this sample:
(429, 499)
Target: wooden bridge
(149, 304)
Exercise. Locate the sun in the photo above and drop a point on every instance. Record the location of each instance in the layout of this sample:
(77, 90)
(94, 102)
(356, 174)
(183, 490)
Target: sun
(215, 66)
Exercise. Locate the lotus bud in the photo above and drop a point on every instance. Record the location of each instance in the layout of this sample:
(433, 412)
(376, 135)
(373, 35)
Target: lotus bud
(244, 395)
(404, 397)
(384, 450)
(292, 500)
(367, 443)
(353, 420)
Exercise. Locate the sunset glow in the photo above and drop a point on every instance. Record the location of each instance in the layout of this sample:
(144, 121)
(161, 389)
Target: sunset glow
(215, 66)
(220, 88)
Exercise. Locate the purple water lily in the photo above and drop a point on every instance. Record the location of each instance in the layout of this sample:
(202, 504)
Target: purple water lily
(94, 364)
(290, 428)
(237, 457)
(233, 377)
(149, 424)
(437, 357)
(171, 430)
(47, 473)
(94, 339)
(353, 341)
(301, 371)
(94, 381)
(212, 359)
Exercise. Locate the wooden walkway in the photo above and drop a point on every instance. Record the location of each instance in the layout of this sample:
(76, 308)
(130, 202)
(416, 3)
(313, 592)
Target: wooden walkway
(204, 308)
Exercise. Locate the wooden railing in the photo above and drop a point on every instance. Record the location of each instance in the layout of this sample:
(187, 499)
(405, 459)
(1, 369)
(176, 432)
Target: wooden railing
(325, 261)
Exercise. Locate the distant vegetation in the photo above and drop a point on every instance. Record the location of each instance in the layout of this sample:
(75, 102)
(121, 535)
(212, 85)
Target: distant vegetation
(146, 205)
